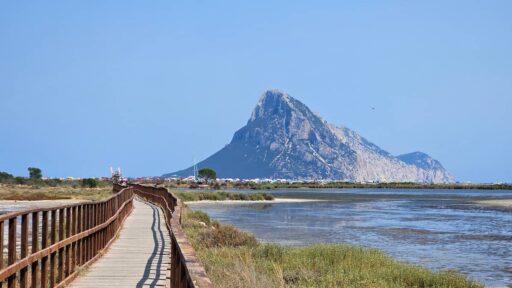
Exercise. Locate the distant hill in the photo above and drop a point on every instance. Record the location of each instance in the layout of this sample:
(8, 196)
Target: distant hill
(284, 139)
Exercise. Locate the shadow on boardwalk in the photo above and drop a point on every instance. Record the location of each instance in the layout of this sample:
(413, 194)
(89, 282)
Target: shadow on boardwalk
(139, 258)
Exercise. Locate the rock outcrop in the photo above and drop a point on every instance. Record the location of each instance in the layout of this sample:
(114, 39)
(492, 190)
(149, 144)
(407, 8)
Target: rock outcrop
(284, 139)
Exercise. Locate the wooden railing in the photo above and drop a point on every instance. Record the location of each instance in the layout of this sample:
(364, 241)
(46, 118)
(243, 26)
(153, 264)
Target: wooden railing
(54, 243)
(186, 270)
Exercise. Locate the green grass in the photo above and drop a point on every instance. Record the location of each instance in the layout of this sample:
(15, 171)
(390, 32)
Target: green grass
(220, 195)
(233, 258)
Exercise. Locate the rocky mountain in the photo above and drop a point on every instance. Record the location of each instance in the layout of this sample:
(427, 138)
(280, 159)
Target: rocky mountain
(284, 139)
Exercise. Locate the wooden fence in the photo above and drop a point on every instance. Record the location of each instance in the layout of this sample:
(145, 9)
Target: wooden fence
(186, 270)
(54, 243)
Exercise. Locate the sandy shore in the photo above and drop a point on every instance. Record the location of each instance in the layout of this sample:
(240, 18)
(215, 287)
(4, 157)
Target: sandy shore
(497, 202)
(276, 200)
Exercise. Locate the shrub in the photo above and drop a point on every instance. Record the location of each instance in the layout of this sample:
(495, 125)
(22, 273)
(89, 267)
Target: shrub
(226, 236)
(89, 182)
(199, 216)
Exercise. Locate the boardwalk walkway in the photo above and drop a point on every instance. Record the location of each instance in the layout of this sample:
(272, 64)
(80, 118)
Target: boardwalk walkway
(139, 258)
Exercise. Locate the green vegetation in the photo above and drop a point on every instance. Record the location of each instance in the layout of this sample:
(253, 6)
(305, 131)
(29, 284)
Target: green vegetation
(35, 173)
(233, 258)
(35, 179)
(89, 183)
(220, 195)
(207, 174)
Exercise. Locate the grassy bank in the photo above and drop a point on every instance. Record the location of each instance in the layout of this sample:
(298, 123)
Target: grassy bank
(220, 195)
(233, 258)
(24, 192)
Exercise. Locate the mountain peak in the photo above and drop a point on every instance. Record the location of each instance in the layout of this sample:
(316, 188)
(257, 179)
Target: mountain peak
(271, 102)
(273, 94)
(285, 139)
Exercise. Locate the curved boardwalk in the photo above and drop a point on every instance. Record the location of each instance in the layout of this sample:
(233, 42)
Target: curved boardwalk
(138, 258)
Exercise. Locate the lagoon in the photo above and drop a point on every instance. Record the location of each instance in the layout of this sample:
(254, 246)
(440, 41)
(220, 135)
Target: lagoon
(438, 229)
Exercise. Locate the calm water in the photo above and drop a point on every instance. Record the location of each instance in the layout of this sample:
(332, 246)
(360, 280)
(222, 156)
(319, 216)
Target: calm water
(439, 229)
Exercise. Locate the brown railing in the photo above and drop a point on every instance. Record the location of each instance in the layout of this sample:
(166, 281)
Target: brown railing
(54, 243)
(186, 270)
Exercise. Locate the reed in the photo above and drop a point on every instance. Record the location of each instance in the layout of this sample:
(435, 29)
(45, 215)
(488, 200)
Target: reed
(237, 260)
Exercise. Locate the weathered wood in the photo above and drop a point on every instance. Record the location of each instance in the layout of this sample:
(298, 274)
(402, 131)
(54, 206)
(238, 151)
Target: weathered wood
(84, 230)
(60, 265)
(24, 249)
(135, 259)
(35, 246)
(44, 244)
(67, 253)
(11, 256)
(1, 248)
(73, 245)
(62, 251)
(53, 256)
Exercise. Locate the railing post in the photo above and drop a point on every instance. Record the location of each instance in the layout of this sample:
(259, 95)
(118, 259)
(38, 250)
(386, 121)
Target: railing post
(78, 230)
(35, 247)
(53, 256)
(11, 256)
(67, 249)
(44, 244)
(1, 248)
(60, 266)
(73, 232)
(24, 249)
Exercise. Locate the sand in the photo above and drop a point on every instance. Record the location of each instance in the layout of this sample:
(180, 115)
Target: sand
(496, 202)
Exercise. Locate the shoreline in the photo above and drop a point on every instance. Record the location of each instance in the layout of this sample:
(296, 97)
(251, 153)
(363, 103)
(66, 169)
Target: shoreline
(275, 201)
(506, 203)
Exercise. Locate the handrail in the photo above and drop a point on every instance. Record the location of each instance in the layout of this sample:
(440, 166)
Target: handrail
(65, 238)
(84, 231)
(186, 269)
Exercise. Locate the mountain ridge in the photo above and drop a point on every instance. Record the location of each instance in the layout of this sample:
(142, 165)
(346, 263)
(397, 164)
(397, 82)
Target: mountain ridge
(283, 138)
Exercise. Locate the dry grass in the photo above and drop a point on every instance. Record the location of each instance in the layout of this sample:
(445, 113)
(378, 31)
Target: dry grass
(23, 192)
(235, 263)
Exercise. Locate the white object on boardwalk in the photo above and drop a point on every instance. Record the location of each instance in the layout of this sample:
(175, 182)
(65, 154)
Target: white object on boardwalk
(139, 258)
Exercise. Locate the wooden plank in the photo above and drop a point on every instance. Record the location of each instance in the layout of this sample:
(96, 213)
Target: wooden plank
(135, 259)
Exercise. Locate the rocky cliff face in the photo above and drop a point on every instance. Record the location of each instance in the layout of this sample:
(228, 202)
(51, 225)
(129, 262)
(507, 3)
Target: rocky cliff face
(284, 139)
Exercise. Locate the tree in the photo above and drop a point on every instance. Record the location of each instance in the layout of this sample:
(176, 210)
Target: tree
(5, 177)
(207, 174)
(89, 182)
(35, 173)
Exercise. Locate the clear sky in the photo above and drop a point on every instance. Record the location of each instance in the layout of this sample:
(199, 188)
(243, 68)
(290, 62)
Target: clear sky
(151, 85)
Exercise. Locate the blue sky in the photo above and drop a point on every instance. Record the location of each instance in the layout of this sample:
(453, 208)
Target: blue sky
(151, 85)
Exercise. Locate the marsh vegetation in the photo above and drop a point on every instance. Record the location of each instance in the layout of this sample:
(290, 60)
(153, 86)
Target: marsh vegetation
(236, 259)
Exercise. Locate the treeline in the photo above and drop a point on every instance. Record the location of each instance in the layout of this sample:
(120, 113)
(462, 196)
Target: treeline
(35, 178)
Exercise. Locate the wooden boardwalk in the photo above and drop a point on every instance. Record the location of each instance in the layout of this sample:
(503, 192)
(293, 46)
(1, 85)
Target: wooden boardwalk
(138, 258)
